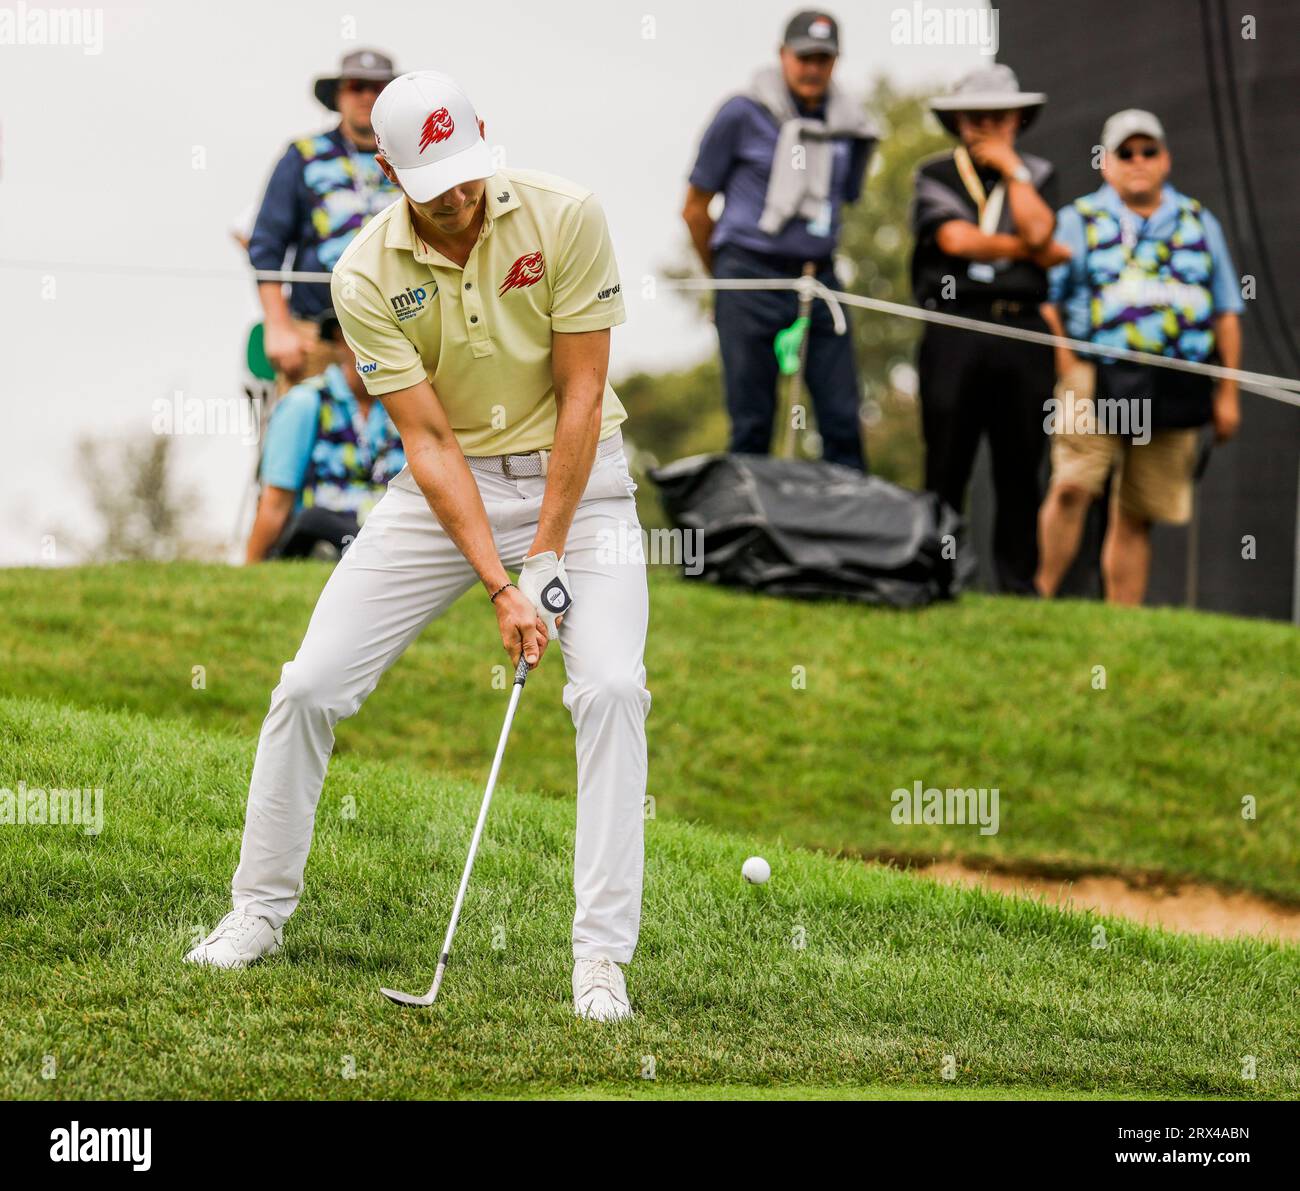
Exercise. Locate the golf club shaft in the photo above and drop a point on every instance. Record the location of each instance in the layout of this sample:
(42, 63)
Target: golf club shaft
(521, 674)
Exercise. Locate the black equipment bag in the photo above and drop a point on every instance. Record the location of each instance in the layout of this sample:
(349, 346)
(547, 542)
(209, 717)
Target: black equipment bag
(811, 529)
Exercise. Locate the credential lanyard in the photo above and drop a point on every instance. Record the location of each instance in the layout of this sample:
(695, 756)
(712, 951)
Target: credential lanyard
(989, 206)
(364, 181)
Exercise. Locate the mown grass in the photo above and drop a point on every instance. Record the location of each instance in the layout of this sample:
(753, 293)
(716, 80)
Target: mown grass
(836, 978)
(772, 719)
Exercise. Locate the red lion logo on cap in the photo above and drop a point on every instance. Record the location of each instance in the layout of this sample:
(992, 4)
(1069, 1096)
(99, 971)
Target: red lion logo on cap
(438, 126)
(527, 270)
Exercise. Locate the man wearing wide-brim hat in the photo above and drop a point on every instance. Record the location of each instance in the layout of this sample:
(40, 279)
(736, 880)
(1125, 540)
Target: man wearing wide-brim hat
(361, 66)
(983, 220)
(323, 191)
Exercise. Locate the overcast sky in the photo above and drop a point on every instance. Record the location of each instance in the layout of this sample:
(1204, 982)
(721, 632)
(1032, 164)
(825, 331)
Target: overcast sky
(97, 178)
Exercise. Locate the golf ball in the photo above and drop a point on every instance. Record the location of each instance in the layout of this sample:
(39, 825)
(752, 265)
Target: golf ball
(756, 870)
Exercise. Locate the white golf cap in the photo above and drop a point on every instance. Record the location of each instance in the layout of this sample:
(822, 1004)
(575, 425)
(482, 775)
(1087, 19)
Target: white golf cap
(1130, 122)
(427, 129)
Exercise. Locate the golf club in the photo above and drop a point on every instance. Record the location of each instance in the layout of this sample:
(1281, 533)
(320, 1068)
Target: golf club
(401, 998)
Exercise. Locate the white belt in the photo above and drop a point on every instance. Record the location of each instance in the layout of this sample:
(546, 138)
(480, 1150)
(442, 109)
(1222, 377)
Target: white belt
(536, 463)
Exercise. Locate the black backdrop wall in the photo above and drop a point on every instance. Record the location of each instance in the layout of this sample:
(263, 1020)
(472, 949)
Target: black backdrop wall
(1227, 91)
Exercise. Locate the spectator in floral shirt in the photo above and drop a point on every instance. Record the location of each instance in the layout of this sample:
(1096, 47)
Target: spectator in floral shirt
(323, 191)
(330, 451)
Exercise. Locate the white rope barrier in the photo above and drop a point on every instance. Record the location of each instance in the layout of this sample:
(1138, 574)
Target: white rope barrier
(115, 270)
(1279, 388)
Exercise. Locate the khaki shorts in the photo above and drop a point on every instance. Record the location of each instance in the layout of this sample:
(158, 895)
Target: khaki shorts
(1153, 480)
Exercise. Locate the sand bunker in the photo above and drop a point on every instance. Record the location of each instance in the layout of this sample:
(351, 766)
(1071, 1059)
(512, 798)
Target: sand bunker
(1196, 909)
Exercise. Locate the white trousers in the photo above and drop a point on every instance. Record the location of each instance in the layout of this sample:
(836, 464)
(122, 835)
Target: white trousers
(402, 572)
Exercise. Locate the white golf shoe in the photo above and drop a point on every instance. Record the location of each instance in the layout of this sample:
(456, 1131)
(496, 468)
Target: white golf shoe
(599, 993)
(239, 939)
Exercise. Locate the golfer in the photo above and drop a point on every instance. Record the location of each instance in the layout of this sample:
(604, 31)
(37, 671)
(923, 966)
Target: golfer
(479, 306)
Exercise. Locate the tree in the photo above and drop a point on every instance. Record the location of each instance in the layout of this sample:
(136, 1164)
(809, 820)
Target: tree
(143, 513)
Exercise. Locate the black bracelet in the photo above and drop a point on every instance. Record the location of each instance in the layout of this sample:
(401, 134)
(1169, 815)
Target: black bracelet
(499, 590)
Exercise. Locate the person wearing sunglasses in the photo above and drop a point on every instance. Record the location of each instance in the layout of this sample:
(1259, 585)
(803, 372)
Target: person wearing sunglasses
(323, 191)
(1150, 270)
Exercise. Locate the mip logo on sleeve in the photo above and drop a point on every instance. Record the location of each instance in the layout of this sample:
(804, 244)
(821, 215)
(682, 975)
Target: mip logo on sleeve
(411, 302)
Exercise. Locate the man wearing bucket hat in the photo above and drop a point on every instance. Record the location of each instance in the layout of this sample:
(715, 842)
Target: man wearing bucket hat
(983, 218)
(324, 189)
(1149, 269)
(479, 306)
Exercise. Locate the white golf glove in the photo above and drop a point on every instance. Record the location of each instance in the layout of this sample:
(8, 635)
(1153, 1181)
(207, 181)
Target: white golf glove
(544, 581)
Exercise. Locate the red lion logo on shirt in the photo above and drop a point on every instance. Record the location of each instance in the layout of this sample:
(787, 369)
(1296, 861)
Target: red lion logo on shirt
(527, 270)
(438, 126)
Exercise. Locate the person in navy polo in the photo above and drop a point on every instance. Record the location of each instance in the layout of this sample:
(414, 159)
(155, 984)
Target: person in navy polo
(786, 154)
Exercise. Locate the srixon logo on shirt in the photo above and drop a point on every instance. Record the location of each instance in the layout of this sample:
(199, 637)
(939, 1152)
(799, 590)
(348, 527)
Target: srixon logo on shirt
(86, 1143)
(411, 302)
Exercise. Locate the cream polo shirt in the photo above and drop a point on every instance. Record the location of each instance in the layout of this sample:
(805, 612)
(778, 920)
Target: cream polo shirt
(482, 334)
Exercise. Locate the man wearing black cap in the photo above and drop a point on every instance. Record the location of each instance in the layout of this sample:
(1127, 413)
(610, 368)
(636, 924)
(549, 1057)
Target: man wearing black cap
(323, 191)
(787, 154)
(983, 220)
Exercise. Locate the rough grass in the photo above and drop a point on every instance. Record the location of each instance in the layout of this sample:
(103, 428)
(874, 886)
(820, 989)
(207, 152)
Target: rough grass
(835, 979)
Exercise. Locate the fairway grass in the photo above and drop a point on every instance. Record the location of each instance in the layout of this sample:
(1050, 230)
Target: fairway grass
(835, 979)
(651, 1090)
(772, 719)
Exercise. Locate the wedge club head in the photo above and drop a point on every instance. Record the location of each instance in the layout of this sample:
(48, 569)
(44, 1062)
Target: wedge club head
(401, 998)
